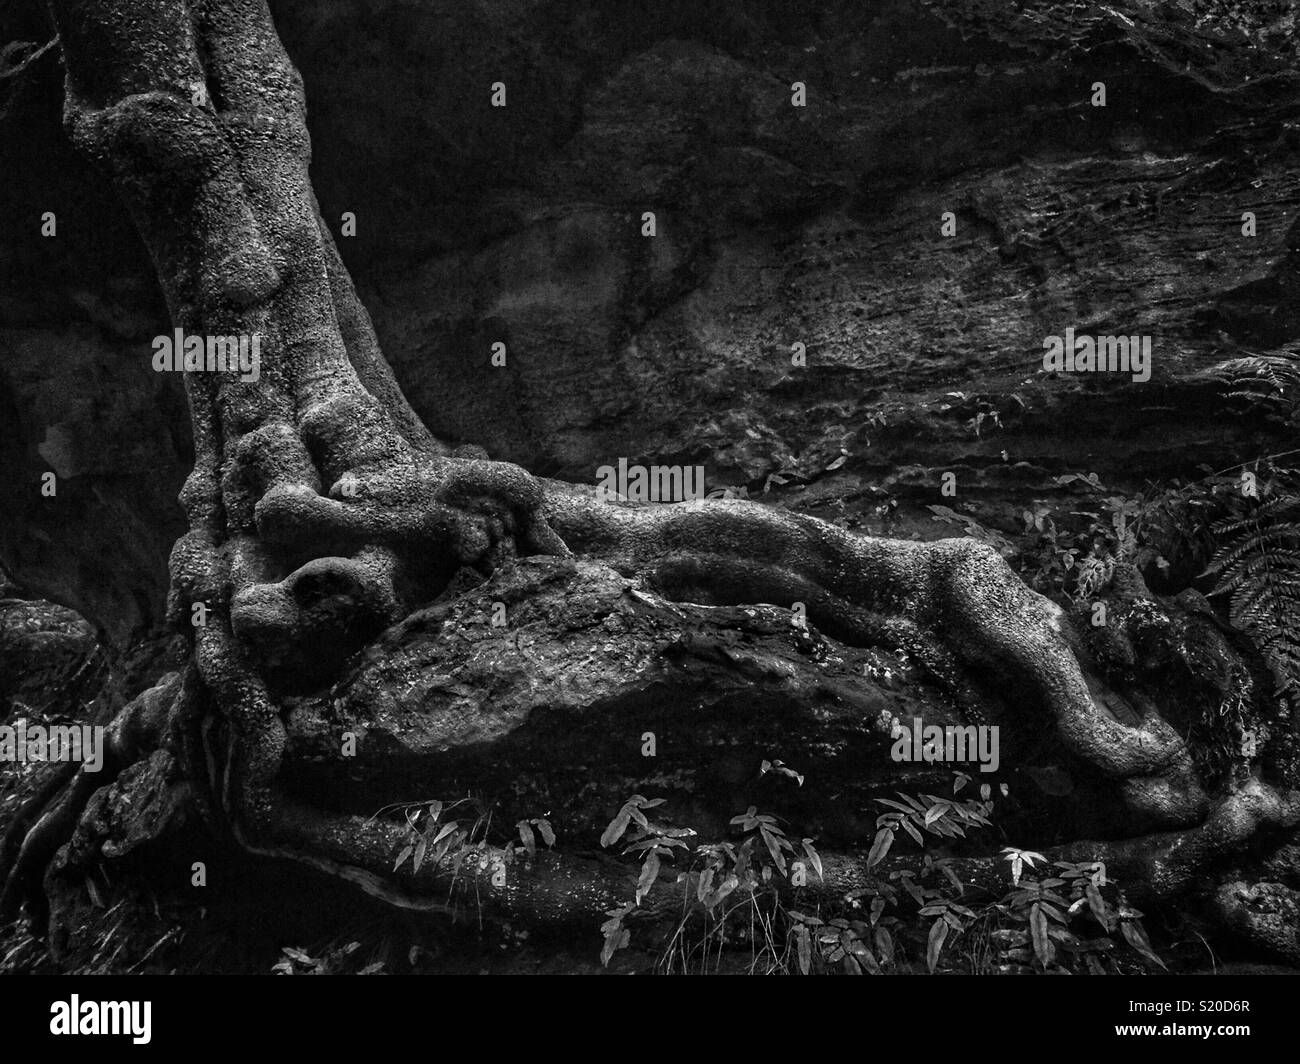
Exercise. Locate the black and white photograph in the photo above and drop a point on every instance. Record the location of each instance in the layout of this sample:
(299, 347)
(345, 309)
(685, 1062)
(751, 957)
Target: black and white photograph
(651, 487)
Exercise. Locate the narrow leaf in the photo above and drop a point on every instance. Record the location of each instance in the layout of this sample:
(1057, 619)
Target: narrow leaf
(885, 944)
(1043, 947)
(1136, 937)
(879, 848)
(803, 942)
(616, 828)
(938, 934)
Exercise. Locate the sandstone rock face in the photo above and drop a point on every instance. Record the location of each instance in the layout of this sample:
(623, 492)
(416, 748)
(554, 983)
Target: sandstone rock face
(775, 225)
(598, 689)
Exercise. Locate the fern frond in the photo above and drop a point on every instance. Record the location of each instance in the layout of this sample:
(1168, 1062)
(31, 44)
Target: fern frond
(1257, 562)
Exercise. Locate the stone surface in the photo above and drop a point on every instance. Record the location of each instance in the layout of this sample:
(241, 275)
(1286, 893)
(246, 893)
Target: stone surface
(552, 711)
(51, 663)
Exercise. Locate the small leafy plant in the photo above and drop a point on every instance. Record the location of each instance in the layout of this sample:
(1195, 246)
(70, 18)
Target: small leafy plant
(1065, 922)
(720, 880)
(1055, 917)
(433, 838)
